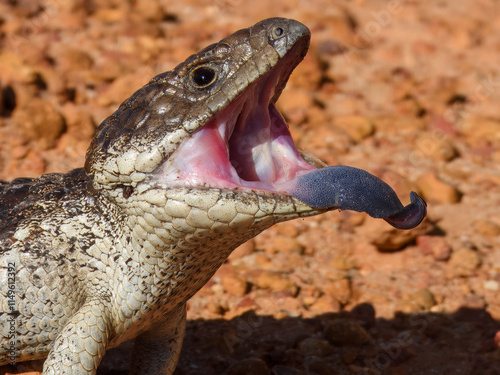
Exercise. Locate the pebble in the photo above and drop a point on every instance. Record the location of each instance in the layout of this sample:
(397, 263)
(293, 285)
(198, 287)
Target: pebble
(275, 282)
(342, 262)
(435, 146)
(327, 143)
(124, 86)
(352, 218)
(487, 228)
(248, 366)
(346, 332)
(73, 59)
(215, 308)
(110, 66)
(319, 366)
(436, 246)
(492, 285)
(295, 105)
(286, 370)
(494, 311)
(19, 152)
(357, 127)
(424, 298)
(463, 262)
(387, 238)
(358, 370)
(288, 263)
(285, 245)
(349, 355)
(79, 122)
(14, 69)
(433, 190)
(309, 294)
(312, 74)
(316, 347)
(263, 260)
(58, 86)
(385, 123)
(2, 105)
(288, 229)
(243, 250)
(407, 307)
(443, 127)
(331, 47)
(74, 18)
(325, 304)
(478, 127)
(473, 301)
(364, 313)
(340, 289)
(281, 305)
(41, 122)
(150, 10)
(235, 284)
(33, 164)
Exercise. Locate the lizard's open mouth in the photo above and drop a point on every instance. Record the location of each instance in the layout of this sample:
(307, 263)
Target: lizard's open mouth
(245, 146)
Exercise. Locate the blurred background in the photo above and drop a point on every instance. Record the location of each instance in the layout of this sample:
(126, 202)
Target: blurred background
(408, 90)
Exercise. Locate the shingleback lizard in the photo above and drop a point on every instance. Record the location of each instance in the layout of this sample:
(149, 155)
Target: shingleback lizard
(189, 167)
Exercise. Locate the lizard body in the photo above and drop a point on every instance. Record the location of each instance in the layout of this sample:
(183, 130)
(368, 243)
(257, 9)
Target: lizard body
(187, 169)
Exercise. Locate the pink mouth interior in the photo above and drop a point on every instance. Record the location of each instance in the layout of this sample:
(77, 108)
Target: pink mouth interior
(247, 145)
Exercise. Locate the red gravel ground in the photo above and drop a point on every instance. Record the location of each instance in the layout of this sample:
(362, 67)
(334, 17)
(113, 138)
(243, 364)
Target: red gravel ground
(407, 90)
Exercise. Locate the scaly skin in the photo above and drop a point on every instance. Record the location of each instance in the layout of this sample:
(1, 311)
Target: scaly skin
(108, 253)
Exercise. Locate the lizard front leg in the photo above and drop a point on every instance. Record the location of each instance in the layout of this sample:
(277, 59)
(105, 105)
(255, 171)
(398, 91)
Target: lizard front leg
(157, 351)
(80, 346)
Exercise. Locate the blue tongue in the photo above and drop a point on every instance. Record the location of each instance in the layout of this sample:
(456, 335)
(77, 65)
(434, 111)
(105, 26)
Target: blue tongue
(348, 188)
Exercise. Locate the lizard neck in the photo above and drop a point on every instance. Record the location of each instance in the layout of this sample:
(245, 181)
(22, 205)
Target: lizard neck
(173, 241)
(178, 238)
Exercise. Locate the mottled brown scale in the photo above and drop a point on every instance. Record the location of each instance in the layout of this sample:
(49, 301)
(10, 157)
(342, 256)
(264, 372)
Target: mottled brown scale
(22, 198)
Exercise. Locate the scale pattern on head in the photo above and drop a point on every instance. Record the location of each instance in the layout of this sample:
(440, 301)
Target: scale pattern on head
(149, 126)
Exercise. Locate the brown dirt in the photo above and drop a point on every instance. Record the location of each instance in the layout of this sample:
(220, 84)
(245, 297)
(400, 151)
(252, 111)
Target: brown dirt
(407, 90)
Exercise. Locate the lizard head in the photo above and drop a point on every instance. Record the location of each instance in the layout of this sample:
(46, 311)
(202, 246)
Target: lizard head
(210, 127)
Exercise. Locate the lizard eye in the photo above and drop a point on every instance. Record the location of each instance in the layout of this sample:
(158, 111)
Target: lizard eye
(277, 32)
(203, 76)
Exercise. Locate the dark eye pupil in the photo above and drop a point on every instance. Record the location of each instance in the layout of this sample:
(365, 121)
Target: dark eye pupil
(278, 31)
(203, 76)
